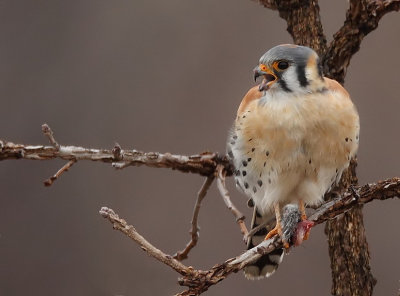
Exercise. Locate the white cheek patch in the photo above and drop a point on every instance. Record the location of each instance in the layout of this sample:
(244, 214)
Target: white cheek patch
(291, 79)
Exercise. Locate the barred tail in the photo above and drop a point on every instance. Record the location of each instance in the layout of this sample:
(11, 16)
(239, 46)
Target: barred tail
(267, 264)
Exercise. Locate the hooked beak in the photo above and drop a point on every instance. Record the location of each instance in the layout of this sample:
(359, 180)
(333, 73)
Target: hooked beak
(269, 78)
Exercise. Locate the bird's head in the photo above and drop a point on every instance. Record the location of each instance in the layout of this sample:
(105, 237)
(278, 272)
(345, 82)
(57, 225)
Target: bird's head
(290, 68)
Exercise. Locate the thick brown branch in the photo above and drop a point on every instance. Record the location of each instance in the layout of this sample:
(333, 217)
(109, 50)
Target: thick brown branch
(198, 281)
(203, 164)
(303, 20)
(362, 17)
(194, 232)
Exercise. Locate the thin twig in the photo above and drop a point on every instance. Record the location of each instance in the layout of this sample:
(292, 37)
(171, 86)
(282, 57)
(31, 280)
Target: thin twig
(65, 168)
(221, 174)
(121, 225)
(49, 134)
(194, 232)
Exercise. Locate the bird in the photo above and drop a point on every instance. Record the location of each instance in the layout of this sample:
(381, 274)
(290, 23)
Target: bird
(293, 136)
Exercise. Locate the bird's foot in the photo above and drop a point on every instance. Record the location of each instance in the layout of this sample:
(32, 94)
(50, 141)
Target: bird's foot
(277, 230)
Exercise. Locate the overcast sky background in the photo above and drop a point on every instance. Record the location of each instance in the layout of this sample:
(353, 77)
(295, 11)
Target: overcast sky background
(162, 76)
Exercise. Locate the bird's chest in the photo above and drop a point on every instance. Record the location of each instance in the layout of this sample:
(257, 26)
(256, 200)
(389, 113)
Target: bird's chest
(267, 142)
(269, 134)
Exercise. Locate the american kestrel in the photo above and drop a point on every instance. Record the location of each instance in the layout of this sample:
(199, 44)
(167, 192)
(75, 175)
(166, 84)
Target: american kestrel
(294, 135)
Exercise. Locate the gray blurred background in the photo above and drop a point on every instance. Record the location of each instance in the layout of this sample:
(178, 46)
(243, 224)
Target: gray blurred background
(162, 76)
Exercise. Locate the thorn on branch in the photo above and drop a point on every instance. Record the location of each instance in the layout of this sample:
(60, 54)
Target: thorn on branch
(65, 168)
(49, 134)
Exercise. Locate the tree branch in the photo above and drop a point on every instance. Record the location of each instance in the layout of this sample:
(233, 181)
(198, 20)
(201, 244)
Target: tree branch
(65, 168)
(203, 164)
(130, 231)
(194, 232)
(198, 281)
(303, 20)
(362, 17)
(220, 172)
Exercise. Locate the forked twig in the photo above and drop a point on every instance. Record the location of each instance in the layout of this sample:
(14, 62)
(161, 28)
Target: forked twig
(194, 232)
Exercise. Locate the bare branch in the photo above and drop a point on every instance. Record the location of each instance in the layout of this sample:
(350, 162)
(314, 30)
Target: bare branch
(203, 164)
(194, 232)
(130, 231)
(198, 281)
(303, 20)
(221, 174)
(49, 134)
(65, 168)
(362, 17)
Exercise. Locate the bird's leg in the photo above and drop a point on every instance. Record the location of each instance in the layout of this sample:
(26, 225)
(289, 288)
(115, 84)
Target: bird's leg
(278, 227)
(302, 210)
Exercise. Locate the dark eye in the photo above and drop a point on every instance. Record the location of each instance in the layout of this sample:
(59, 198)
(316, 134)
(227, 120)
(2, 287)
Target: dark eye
(282, 65)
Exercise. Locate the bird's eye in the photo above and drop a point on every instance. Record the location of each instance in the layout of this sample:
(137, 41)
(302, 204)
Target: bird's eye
(282, 65)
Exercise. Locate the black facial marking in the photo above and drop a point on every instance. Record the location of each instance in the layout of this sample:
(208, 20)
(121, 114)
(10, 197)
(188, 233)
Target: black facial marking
(244, 163)
(347, 139)
(250, 203)
(301, 75)
(230, 154)
(250, 139)
(237, 172)
(246, 185)
(233, 143)
(267, 153)
(244, 173)
(284, 85)
(249, 159)
(309, 161)
(259, 182)
(265, 163)
(252, 149)
(254, 189)
(234, 137)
